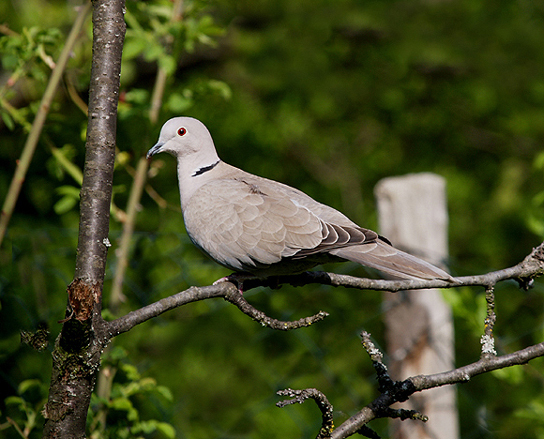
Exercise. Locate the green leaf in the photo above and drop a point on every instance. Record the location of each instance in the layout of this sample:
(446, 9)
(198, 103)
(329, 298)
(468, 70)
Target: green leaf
(8, 120)
(28, 384)
(65, 204)
(68, 201)
(131, 372)
(166, 429)
(69, 191)
(539, 161)
(220, 87)
(124, 404)
(135, 44)
(165, 392)
(168, 63)
(179, 103)
(14, 400)
(64, 157)
(145, 427)
(153, 51)
(138, 96)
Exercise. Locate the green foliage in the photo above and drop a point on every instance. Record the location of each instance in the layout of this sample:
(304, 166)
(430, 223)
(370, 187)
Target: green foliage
(535, 220)
(150, 25)
(154, 36)
(22, 415)
(328, 97)
(130, 396)
(533, 412)
(28, 55)
(469, 306)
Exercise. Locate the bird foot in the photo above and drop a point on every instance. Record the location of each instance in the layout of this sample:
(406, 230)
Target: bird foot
(237, 279)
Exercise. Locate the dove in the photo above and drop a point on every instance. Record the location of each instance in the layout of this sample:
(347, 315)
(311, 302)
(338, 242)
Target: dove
(260, 227)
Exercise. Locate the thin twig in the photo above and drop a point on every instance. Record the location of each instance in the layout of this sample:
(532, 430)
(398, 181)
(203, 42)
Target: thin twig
(299, 396)
(4, 29)
(76, 99)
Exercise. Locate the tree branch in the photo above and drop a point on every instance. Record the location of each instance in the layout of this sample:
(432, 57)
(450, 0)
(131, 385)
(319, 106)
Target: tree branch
(524, 273)
(299, 396)
(532, 266)
(399, 391)
(76, 357)
(226, 290)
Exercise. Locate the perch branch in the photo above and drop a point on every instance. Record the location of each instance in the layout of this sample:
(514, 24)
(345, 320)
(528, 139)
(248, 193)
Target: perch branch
(225, 289)
(532, 266)
(391, 391)
(524, 273)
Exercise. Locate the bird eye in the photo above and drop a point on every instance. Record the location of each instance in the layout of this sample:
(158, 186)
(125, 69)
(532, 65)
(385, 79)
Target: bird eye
(181, 131)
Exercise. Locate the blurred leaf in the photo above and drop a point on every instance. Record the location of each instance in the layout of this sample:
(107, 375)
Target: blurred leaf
(65, 204)
(64, 159)
(178, 103)
(14, 400)
(8, 120)
(68, 201)
(168, 63)
(166, 429)
(220, 87)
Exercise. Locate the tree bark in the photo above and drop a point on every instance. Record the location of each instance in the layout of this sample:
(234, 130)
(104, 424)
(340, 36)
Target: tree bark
(76, 357)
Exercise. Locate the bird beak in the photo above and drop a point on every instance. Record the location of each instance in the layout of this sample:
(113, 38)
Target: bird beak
(156, 149)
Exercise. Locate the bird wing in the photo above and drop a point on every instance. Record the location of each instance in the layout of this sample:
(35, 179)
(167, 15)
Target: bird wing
(245, 223)
(248, 223)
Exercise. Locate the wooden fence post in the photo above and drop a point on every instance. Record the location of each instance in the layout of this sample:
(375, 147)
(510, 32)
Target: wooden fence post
(419, 327)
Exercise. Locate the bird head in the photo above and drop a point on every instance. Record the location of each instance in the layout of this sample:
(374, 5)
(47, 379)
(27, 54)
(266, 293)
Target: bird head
(182, 137)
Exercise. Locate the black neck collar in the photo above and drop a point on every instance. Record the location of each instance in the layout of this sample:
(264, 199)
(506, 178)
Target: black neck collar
(205, 169)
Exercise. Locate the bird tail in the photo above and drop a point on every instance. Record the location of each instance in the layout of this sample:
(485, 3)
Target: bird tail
(396, 263)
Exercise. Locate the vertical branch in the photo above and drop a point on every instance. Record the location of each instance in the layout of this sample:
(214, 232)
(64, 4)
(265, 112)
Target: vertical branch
(106, 375)
(109, 31)
(76, 357)
(488, 340)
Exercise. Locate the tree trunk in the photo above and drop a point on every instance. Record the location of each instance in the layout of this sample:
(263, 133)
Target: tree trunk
(76, 357)
(419, 327)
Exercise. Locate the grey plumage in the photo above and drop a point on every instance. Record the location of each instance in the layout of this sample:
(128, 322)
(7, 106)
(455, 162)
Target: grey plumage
(251, 224)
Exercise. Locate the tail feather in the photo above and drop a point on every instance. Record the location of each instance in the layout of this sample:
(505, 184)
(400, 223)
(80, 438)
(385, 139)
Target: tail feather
(386, 258)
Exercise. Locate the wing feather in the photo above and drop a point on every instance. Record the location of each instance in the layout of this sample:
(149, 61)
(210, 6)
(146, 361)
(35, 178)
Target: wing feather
(247, 224)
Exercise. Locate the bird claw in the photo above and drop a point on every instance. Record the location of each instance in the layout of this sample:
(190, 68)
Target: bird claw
(237, 279)
(223, 279)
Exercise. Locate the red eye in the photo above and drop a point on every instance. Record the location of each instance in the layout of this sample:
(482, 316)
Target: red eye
(181, 131)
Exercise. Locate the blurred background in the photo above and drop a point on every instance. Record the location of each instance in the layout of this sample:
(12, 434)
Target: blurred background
(327, 96)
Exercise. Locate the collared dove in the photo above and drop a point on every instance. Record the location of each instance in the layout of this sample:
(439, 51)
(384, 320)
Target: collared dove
(262, 227)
